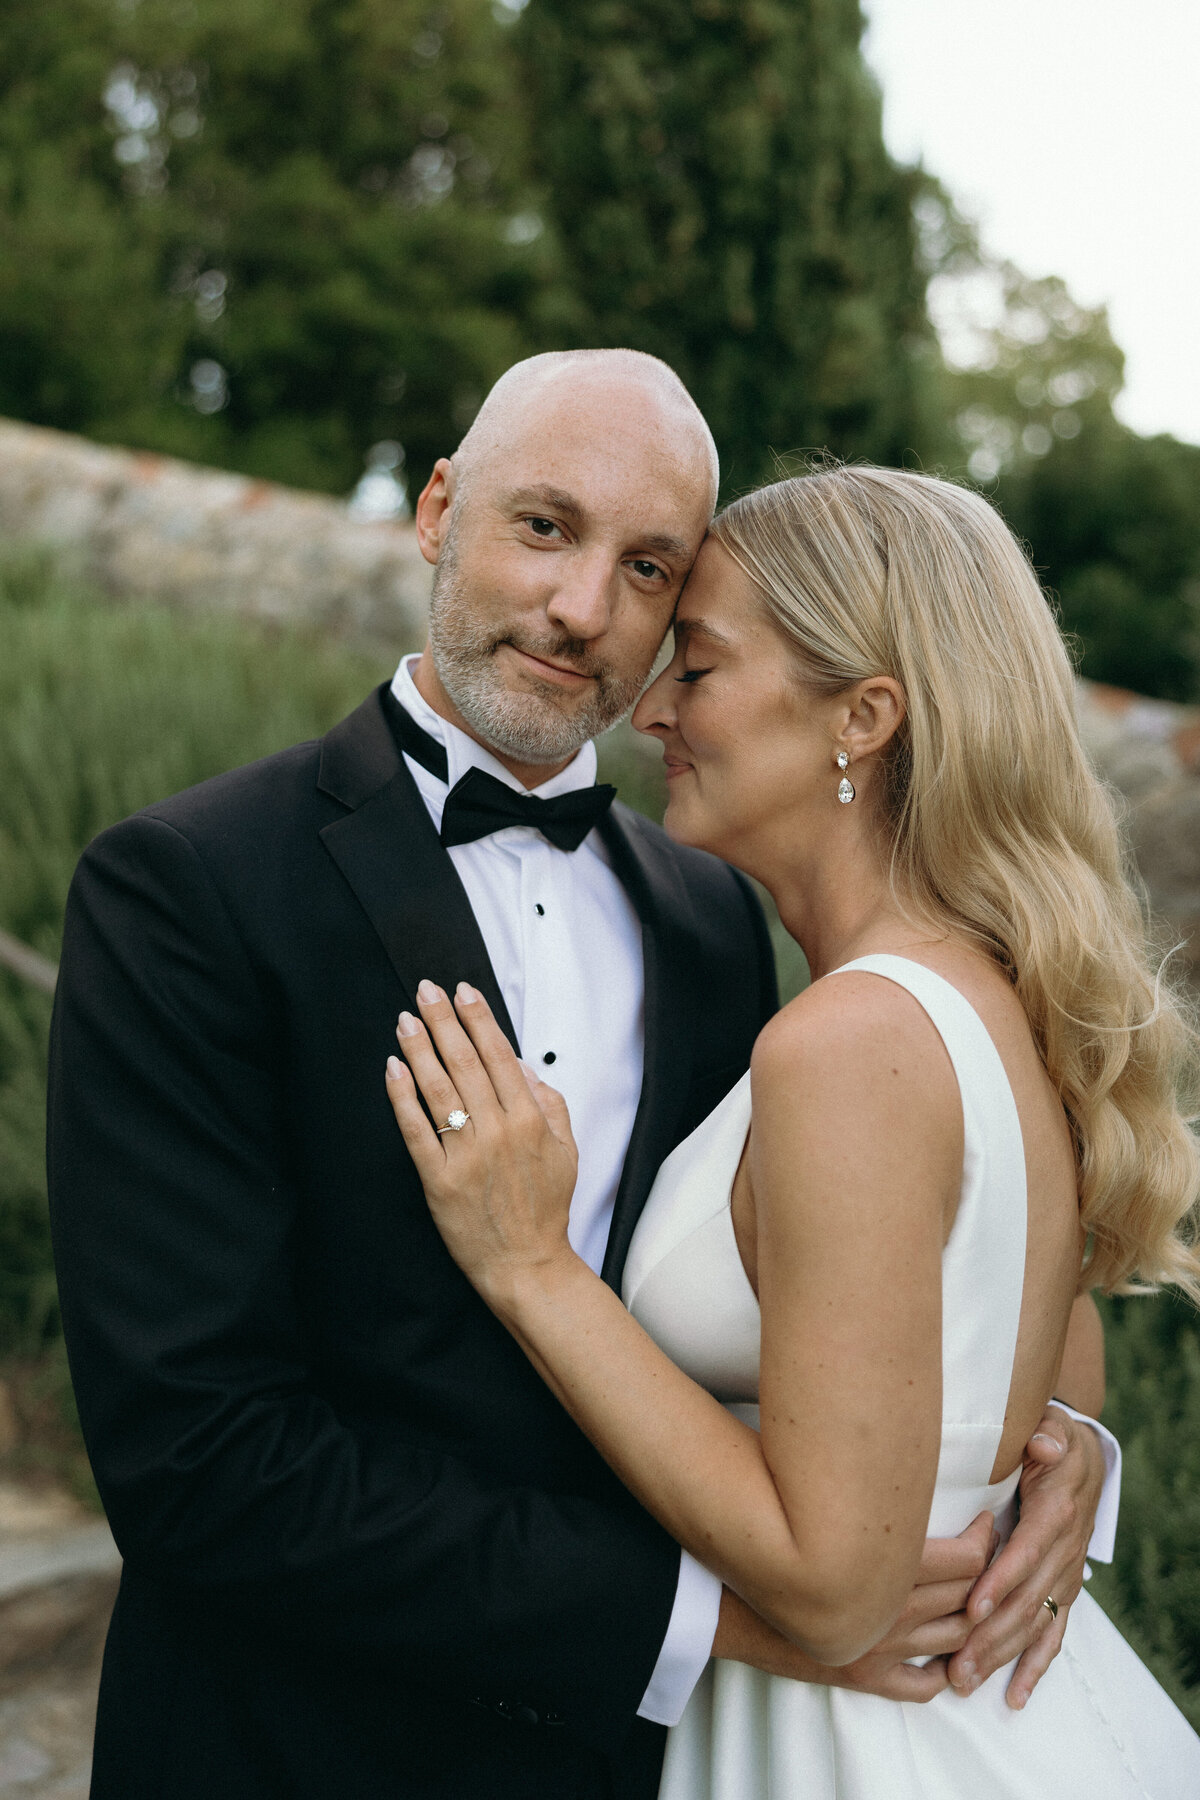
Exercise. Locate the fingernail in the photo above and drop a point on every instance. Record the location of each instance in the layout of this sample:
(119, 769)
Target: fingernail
(466, 994)
(1045, 1437)
(406, 1025)
(394, 1066)
(1018, 1701)
(985, 1609)
(427, 994)
(966, 1674)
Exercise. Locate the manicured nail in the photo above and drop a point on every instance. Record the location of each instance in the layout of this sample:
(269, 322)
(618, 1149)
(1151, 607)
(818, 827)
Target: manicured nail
(394, 1067)
(1045, 1437)
(967, 1677)
(427, 994)
(466, 994)
(985, 1609)
(406, 1025)
(1018, 1701)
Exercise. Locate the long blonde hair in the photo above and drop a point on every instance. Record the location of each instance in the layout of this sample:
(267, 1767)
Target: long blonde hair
(998, 826)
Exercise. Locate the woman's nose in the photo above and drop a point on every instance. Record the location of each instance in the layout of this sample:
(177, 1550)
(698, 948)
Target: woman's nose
(655, 711)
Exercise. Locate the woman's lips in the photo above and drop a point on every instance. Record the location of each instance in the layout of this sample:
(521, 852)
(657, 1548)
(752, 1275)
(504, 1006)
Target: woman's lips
(560, 673)
(675, 766)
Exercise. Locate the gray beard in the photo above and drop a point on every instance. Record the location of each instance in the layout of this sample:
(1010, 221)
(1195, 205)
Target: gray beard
(531, 727)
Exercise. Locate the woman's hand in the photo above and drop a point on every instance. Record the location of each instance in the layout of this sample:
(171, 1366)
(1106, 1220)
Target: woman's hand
(500, 1188)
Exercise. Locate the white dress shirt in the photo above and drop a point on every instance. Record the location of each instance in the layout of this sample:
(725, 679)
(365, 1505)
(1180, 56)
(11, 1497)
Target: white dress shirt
(566, 947)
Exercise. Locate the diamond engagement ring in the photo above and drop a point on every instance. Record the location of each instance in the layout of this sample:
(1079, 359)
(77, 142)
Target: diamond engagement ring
(455, 1122)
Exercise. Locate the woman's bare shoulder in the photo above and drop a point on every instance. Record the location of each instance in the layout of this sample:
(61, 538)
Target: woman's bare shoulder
(859, 1032)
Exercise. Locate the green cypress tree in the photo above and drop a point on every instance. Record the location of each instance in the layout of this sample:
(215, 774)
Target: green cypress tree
(259, 233)
(715, 175)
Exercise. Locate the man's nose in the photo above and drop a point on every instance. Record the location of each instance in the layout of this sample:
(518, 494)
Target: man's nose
(583, 603)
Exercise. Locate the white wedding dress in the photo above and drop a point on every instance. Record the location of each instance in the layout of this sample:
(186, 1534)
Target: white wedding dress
(1098, 1727)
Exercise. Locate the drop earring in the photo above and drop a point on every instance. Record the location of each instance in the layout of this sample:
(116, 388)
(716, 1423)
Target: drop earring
(845, 785)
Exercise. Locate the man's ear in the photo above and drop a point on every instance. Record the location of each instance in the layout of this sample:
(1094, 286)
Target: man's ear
(432, 514)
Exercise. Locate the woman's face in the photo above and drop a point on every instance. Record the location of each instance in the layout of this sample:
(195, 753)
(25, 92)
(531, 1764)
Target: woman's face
(749, 754)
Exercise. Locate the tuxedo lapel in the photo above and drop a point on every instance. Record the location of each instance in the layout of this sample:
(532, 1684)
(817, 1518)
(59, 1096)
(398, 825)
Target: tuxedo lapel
(660, 898)
(393, 860)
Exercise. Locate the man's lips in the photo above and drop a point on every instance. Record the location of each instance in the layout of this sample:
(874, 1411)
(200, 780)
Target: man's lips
(546, 670)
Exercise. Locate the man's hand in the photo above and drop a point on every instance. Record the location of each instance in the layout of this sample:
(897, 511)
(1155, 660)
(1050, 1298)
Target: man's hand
(1060, 1491)
(933, 1624)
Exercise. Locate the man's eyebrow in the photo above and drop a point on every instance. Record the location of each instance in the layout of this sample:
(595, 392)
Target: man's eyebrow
(560, 501)
(557, 499)
(666, 546)
(685, 628)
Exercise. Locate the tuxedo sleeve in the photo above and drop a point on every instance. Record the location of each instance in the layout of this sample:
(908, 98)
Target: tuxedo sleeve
(227, 1476)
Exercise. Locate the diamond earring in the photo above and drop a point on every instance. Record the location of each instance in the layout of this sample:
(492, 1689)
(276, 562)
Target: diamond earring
(845, 785)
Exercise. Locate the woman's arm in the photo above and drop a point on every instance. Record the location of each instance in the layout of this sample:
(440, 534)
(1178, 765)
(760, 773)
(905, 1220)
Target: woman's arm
(819, 1523)
(1081, 1373)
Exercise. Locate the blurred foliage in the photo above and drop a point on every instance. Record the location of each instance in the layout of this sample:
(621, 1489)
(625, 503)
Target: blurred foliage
(270, 234)
(107, 708)
(266, 234)
(716, 177)
(1112, 519)
(258, 233)
(1152, 1589)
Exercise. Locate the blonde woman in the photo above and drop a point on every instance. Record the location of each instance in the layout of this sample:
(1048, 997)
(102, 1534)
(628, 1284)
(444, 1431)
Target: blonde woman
(850, 1291)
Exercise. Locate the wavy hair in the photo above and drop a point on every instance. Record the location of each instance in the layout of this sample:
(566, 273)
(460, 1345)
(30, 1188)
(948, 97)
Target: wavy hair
(998, 826)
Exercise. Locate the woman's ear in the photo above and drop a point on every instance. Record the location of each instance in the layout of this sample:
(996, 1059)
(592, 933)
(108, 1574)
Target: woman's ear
(874, 712)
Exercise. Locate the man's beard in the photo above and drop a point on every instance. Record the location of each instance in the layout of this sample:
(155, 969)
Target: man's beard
(538, 725)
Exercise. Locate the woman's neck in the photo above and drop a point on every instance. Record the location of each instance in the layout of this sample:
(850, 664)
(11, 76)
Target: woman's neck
(839, 907)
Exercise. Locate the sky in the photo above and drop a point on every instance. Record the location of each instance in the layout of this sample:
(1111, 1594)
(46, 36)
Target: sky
(1070, 129)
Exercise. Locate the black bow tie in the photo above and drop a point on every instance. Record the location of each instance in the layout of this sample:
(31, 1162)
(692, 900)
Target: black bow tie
(479, 804)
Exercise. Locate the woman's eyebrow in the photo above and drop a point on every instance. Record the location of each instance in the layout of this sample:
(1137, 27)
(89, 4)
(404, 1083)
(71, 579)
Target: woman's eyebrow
(685, 628)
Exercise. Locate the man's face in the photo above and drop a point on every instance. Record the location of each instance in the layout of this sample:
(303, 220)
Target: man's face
(561, 558)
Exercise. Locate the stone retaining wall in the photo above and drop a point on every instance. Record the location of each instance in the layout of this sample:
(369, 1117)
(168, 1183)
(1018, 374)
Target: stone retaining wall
(138, 525)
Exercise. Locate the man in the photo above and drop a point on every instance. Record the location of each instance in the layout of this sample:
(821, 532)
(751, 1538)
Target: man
(366, 1554)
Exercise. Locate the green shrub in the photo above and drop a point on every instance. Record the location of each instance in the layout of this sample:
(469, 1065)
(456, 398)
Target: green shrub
(105, 709)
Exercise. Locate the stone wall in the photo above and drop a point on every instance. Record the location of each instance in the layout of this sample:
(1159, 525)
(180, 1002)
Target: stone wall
(1149, 750)
(137, 525)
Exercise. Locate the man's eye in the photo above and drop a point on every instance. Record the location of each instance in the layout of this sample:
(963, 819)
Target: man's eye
(693, 674)
(541, 527)
(647, 570)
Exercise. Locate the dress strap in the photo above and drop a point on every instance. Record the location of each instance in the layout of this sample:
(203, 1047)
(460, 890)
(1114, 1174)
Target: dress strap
(983, 1264)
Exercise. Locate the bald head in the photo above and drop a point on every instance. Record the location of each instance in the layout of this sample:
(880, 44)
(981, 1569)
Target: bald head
(610, 392)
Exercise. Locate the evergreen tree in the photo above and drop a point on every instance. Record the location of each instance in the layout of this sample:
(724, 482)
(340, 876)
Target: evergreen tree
(1112, 519)
(716, 178)
(260, 233)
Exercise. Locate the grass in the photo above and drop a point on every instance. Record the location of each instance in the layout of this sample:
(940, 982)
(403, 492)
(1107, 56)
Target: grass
(106, 708)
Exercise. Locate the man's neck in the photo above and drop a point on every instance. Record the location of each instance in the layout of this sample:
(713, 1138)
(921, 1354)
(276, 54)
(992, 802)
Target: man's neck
(425, 680)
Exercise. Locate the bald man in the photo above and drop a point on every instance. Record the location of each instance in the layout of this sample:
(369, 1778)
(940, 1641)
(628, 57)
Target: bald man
(366, 1554)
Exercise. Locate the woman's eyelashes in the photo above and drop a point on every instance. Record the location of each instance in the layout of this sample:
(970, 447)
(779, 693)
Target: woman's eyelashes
(690, 675)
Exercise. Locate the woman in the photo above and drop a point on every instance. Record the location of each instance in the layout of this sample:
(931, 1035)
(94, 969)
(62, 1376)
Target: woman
(878, 1237)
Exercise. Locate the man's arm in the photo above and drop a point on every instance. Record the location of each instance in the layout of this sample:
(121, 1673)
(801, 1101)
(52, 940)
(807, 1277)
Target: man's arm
(1070, 1490)
(225, 1470)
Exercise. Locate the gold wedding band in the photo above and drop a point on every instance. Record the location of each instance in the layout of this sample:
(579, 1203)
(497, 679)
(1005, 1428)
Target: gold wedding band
(1052, 1605)
(455, 1122)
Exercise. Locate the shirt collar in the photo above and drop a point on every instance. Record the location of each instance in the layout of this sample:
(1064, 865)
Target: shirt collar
(463, 753)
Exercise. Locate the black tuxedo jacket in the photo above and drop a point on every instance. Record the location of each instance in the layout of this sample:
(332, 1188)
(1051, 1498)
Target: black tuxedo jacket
(366, 1554)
